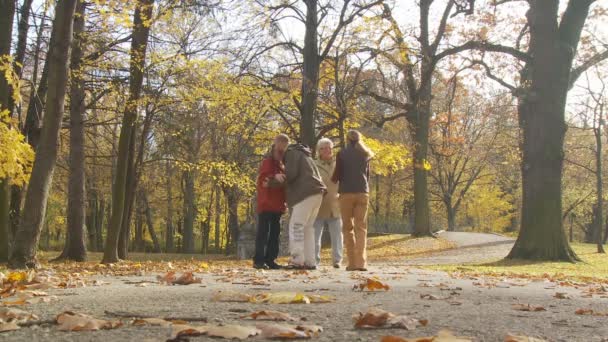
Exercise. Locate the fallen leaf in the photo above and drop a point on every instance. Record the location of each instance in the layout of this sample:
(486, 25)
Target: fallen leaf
(178, 330)
(10, 326)
(232, 331)
(276, 331)
(283, 298)
(430, 297)
(561, 295)
(231, 296)
(71, 321)
(20, 301)
(442, 336)
(15, 315)
(151, 321)
(16, 277)
(320, 299)
(519, 338)
(269, 315)
(528, 307)
(590, 312)
(371, 284)
(187, 278)
(378, 318)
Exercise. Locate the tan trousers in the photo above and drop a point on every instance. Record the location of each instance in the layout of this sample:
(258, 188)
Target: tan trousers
(354, 227)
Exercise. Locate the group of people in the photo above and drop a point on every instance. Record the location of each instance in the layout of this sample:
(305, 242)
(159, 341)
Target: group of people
(331, 190)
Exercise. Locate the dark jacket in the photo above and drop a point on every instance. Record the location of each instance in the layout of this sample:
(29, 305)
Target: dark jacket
(303, 178)
(352, 171)
(271, 198)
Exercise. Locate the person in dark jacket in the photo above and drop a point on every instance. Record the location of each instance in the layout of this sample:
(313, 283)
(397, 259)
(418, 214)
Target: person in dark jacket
(352, 175)
(270, 205)
(304, 195)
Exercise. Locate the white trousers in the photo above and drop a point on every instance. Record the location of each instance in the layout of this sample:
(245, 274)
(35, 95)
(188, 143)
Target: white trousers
(302, 231)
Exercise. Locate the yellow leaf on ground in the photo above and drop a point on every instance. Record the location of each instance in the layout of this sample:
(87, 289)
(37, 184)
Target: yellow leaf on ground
(283, 298)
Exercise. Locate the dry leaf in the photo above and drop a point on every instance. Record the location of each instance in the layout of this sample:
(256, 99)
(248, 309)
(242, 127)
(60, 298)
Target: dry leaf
(515, 338)
(187, 330)
(320, 298)
(442, 336)
(231, 296)
(561, 295)
(276, 331)
(187, 278)
(269, 315)
(10, 326)
(528, 307)
(71, 321)
(16, 315)
(430, 297)
(590, 312)
(232, 331)
(283, 298)
(371, 284)
(378, 318)
(151, 321)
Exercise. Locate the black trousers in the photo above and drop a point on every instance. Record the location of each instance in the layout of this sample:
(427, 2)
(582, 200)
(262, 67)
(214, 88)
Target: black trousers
(267, 237)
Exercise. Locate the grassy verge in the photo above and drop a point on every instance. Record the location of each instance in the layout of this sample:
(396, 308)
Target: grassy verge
(594, 267)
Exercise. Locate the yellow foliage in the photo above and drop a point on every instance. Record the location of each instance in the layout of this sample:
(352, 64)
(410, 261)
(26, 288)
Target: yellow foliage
(16, 156)
(389, 157)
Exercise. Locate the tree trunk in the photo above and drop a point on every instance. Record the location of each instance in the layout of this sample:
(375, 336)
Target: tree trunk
(125, 225)
(218, 216)
(542, 120)
(148, 211)
(28, 234)
(22, 30)
(207, 225)
(75, 248)
(99, 225)
(139, 226)
(451, 211)
(139, 43)
(169, 241)
(420, 127)
(189, 211)
(599, 185)
(310, 75)
(233, 219)
(91, 220)
(7, 12)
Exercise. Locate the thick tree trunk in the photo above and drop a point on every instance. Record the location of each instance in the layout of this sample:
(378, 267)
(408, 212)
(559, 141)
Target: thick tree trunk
(75, 248)
(420, 126)
(169, 241)
(91, 221)
(28, 234)
(189, 211)
(139, 43)
(7, 12)
(125, 225)
(310, 75)
(542, 120)
(207, 224)
(451, 217)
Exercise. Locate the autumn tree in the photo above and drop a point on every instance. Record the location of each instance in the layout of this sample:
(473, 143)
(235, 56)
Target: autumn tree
(28, 234)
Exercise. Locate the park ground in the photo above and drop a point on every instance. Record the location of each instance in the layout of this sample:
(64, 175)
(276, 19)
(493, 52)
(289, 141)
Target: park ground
(457, 282)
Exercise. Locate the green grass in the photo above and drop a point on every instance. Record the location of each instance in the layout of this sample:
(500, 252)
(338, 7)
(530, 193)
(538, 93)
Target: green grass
(593, 268)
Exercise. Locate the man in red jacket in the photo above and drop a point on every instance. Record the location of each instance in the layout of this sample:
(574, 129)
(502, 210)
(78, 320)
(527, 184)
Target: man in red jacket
(271, 205)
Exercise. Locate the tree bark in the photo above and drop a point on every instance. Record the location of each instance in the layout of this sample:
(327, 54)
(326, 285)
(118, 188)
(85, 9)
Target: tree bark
(7, 12)
(169, 241)
(139, 226)
(218, 218)
(451, 211)
(310, 75)
(139, 44)
(233, 219)
(22, 30)
(599, 185)
(129, 195)
(189, 211)
(542, 121)
(75, 248)
(28, 234)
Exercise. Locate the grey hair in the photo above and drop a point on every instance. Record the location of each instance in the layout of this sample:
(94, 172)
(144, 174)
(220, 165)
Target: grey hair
(324, 141)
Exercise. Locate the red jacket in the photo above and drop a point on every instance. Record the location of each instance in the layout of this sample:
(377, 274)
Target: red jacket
(270, 199)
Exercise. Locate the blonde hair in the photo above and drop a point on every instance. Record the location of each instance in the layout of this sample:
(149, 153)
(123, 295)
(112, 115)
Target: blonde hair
(354, 138)
(324, 141)
(283, 138)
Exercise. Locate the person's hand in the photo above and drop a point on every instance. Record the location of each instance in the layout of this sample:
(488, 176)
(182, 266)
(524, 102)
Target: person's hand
(280, 177)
